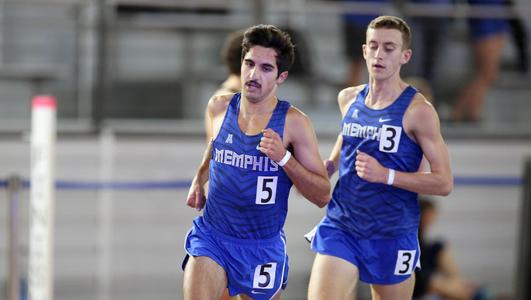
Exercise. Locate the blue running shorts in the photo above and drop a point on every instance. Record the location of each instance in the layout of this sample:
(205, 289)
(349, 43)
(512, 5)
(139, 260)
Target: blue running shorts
(485, 27)
(257, 268)
(381, 261)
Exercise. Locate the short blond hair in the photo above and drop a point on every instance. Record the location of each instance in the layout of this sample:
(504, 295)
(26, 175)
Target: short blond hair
(393, 22)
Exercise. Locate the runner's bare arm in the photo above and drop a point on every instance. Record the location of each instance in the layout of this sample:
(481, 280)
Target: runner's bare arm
(422, 123)
(305, 168)
(345, 98)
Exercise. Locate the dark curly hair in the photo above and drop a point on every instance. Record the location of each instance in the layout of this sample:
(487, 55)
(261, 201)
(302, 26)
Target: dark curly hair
(269, 36)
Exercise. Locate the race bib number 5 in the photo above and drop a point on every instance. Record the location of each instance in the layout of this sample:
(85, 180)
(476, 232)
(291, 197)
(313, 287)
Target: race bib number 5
(266, 190)
(264, 276)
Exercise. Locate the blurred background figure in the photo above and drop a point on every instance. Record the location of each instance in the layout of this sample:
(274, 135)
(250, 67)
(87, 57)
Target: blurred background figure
(440, 277)
(231, 53)
(488, 40)
(430, 34)
(520, 39)
(354, 29)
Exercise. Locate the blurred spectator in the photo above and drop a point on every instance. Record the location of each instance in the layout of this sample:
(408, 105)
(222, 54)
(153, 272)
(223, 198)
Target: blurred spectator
(231, 53)
(488, 39)
(520, 40)
(429, 39)
(354, 29)
(439, 277)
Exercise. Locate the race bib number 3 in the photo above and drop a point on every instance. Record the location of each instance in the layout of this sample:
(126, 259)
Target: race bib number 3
(390, 138)
(266, 190)
(405, 262)
(264, 276)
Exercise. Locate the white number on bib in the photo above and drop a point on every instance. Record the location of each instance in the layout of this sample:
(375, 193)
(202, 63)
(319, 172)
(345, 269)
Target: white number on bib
(390, 138)
(266, 190)
(264, 276)
(404, 262)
